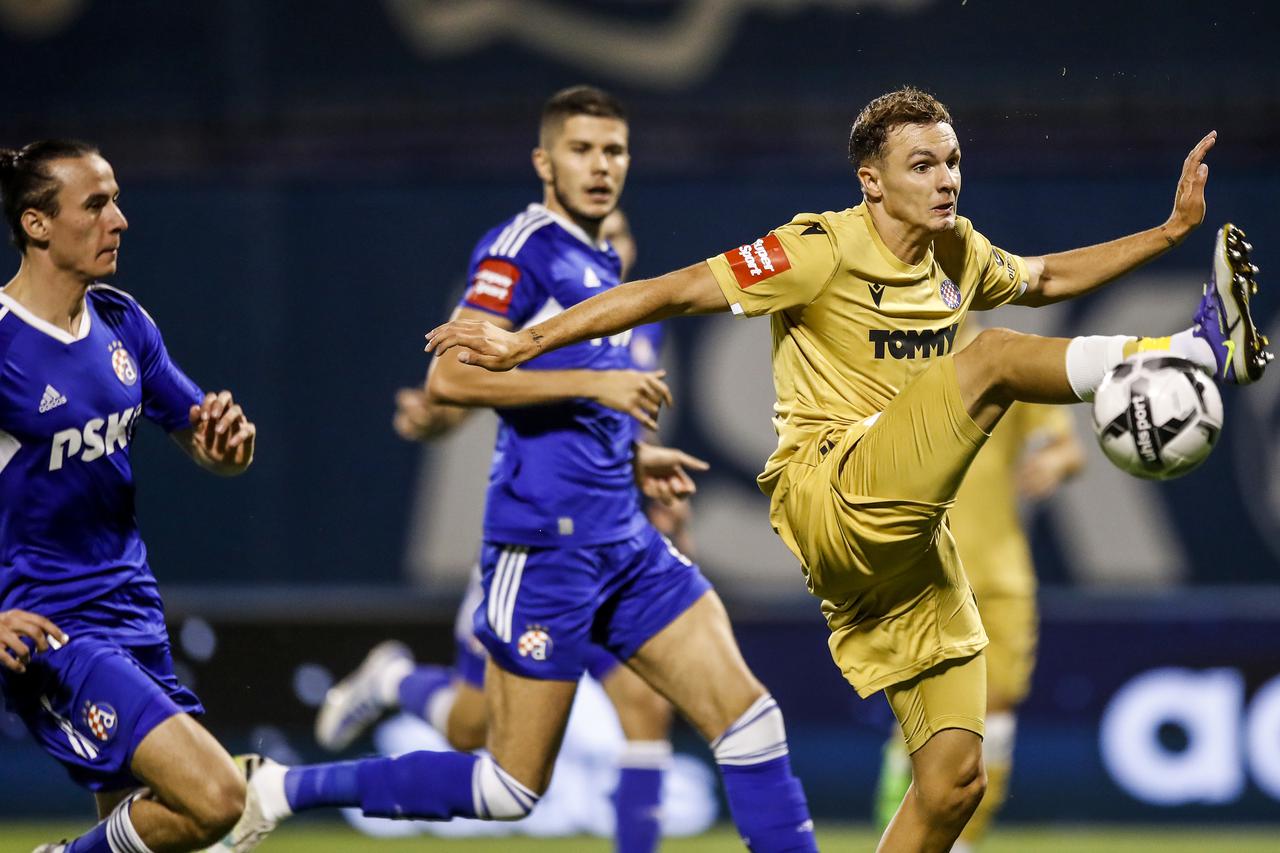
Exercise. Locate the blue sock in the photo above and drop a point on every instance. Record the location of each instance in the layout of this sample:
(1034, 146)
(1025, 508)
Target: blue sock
(768, 806)
(636, 802)
(419, 686)
(93, 841)
(424, 785)
(116, 834)
(319, 785)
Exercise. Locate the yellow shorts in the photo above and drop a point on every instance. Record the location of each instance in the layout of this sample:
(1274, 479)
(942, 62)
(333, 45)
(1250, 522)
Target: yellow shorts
(952, 695)
(1012, 623)
(863, 509)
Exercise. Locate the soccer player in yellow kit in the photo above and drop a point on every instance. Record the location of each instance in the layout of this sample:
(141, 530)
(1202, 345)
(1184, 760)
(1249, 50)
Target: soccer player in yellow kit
(878, 420)
(1031, 452)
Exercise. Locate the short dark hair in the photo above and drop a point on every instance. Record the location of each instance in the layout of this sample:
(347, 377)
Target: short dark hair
(907, 105)
(578, 101)
(26, 182)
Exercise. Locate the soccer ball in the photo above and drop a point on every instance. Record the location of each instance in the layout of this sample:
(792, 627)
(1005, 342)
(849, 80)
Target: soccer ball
(1157, 416)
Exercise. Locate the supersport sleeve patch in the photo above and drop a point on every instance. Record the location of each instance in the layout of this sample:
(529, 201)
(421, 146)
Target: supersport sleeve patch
(752, 263)
(786, 268)
(493, 284)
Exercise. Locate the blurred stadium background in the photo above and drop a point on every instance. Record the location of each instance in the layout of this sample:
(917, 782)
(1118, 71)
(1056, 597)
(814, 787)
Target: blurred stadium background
(305, 180)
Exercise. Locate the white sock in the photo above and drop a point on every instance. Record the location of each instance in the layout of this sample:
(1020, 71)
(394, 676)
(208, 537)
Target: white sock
(389, 679)
(268, 784)
(439, 706)
(122, 837)
(1088, 360)
(1186, 344)
(646, 754)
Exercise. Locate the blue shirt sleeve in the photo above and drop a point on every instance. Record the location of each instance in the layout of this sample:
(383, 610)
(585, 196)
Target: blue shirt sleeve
(504, 286)
(167, 393)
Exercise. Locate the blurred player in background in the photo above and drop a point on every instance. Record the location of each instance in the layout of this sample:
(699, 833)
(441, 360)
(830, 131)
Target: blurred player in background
(1030, 454)
(451, 698)
(569, 560)
(878, 421)
(80, 364)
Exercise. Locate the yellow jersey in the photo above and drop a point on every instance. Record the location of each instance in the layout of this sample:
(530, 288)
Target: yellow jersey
(852, 323)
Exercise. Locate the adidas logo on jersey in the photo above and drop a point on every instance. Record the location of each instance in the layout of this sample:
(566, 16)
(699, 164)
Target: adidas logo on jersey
(99, 437)
(590, 279)
(51, 399)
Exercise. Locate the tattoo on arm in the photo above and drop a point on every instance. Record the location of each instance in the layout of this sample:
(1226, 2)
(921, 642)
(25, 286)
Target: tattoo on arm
(1172, 242)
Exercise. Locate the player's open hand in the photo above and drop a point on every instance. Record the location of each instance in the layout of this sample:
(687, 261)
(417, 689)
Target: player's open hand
(482, 343)
(662, 473)
(16, 624)
(632, 392)
(222, 438)
(1188, 199)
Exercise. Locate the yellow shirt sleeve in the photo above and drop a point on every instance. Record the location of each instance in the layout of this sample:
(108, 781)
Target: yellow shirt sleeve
(1003, 275)
(787, 268)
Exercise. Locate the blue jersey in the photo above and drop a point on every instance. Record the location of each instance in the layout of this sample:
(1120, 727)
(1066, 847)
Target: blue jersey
(561, 473)
(69, 405)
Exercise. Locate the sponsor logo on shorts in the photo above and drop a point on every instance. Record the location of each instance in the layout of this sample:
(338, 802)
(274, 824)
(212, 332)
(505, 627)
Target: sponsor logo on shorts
(493, 284)
(122, 363)
(911, 343)
(950, 294)
(100, 719)
(754, 262)
(535, 643)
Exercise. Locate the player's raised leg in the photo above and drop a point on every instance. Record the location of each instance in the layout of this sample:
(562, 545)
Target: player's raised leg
(1002, 366)
(716, 691)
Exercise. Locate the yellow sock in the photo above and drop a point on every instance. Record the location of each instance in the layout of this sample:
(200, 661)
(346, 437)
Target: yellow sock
(1137, 345)
(997, 791)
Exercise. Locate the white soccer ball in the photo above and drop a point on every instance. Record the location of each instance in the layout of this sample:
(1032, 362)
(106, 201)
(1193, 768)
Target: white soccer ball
(1157, 416)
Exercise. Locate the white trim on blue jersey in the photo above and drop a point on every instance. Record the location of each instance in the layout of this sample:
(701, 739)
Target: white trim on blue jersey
(504, 588)
(60, 335)
(127, 295)
(513, 237)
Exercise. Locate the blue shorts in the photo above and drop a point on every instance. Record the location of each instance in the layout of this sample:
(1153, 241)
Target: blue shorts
(545, 608)
(90, 703)
(471, 657)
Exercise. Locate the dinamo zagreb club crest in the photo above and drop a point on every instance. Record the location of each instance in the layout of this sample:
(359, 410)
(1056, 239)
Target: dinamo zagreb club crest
(123, 364)
(534, 643)
(100, 719)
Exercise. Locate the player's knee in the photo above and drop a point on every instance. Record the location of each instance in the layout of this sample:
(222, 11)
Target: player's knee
(216, 806)
(758, 735)
(499, 796)
(952, 794)
(987, 358)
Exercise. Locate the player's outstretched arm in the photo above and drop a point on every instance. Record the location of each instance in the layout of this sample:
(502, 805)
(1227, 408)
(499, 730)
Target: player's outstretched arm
(1069, 274)
(692, 290)
(221, 439)
(17, 624)
(420, 418)
(637, 393)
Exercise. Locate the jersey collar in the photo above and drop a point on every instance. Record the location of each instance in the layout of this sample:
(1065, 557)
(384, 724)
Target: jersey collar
(8, 303)
(569, 226)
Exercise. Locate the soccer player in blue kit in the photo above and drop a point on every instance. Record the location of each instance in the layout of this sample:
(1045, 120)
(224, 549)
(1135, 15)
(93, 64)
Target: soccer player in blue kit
(80, 364)
(451, 698)
(569, 558)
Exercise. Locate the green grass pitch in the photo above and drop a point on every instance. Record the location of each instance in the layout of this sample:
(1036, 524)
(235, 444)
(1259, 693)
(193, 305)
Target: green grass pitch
(315, 837)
